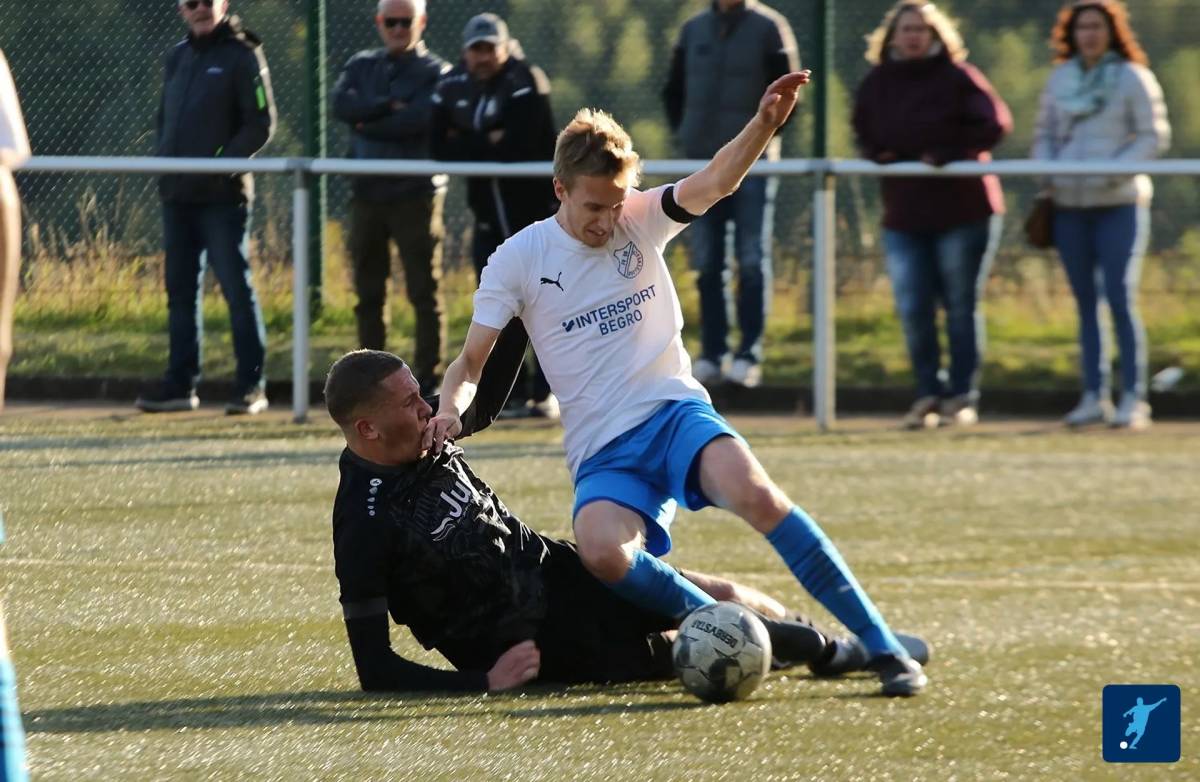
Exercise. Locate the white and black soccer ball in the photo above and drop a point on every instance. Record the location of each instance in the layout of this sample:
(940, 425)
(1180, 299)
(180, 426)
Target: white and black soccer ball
(722, 652)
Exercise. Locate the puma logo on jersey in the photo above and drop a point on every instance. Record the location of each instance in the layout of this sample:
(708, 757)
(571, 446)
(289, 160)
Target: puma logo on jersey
(556, 282)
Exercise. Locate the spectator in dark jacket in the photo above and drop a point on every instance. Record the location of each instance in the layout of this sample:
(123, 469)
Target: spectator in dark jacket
(384, 95)
(922, 101)
(216, 102)
(495, 106)
(723, 61)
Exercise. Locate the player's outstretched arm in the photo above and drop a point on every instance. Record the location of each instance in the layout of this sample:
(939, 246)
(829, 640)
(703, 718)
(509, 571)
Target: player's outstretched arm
(459, 386)
(724, 174)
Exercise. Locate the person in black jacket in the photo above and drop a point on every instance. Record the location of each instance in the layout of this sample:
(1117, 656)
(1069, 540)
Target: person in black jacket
(216, 102)
(384, 96)
(421, 537)
(495, 106)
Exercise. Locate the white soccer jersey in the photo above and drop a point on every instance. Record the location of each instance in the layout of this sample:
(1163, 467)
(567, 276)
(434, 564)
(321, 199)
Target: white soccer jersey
(604, 321)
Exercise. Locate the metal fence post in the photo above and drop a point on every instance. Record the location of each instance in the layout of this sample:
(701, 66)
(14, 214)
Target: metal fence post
(824, 336)
(316, 143)
(300, 291)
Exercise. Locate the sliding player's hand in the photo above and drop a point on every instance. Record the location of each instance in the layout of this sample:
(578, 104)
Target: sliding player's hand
(780, 98)
(442, 427)
(515, 667)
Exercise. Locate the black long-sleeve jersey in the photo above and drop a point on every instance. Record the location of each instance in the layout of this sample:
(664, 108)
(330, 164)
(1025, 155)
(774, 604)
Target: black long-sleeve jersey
(433, 546)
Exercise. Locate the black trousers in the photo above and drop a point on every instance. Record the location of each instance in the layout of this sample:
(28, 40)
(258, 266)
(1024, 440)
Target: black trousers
(415, 225)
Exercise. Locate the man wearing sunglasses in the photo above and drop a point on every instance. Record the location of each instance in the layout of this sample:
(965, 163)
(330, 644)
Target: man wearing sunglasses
(216, 103)
(384, 96)
(495, 106)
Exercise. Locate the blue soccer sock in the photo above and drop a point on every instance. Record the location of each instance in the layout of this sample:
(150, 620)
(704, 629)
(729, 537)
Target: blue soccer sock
(656, 586)
(820, 569)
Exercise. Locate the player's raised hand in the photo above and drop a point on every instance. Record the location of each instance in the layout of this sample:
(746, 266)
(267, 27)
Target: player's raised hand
(442, 427)
(780, 98)
(515, 667)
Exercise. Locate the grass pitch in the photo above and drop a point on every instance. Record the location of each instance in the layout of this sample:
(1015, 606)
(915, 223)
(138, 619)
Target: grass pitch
(171, 600)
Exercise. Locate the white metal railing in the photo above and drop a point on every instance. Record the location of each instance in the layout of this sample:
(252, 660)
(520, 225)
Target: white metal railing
(824, 208)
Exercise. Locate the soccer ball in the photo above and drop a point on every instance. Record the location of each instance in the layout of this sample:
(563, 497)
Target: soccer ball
(722, 652)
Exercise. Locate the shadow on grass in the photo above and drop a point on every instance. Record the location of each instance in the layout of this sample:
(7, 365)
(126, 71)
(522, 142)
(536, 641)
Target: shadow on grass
(324, 707)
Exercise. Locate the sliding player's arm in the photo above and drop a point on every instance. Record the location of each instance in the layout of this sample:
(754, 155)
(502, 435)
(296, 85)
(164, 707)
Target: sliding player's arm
(724, 174)
(380, 669)
(497, 380)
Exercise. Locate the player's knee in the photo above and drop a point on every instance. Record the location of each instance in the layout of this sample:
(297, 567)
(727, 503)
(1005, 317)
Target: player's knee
(762, 505)
(605, 548)
(606, 560)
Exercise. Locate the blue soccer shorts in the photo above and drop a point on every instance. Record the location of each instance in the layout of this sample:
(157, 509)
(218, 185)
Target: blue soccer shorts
(654, 467)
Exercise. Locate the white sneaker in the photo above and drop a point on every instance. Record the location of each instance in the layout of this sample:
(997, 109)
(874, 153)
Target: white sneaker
(745, 373)
(923, 414)
(547, 408)
(707, 372)
(1131, 413)
(1090, 410)
(959, 410)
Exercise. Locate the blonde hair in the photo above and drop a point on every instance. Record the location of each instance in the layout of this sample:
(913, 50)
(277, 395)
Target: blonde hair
(944, 30)
(595, 144)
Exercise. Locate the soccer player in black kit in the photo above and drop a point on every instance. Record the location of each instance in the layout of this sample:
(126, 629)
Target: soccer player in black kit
(420, 537)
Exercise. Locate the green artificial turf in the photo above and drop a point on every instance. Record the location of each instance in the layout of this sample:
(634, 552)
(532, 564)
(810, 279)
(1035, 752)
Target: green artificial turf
(173, 610)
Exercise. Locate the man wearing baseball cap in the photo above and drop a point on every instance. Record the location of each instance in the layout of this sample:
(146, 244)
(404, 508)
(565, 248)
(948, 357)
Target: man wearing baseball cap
(495, 106)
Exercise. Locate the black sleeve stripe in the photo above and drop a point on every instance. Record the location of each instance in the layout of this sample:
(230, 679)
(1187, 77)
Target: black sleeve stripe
(363, 608)
(674, 210)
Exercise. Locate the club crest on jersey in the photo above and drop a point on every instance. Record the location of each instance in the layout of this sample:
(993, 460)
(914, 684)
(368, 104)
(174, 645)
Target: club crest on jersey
(629, 261)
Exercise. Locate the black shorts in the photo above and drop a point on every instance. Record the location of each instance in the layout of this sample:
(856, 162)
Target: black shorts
(590, 634)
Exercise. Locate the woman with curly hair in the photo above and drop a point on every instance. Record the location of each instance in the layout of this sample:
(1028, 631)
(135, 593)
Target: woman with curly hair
(923, 101)
(1102, 102)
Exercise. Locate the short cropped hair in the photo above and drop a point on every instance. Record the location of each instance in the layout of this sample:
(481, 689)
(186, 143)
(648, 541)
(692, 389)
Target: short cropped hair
(944, 30)
(595, 144)
(353, 382)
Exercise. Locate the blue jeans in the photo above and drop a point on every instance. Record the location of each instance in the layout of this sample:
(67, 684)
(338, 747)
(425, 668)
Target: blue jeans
(751, 210)
(1102, 249)
(950, 267)
(193, 233)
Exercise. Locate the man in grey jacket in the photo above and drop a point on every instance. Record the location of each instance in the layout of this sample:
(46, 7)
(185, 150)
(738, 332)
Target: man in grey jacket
(725, 57)
(216, 102)
(385, 95)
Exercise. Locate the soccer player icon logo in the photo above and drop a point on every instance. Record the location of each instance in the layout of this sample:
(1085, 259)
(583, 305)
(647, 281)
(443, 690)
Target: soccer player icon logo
(1129, 735)
(1141, 715)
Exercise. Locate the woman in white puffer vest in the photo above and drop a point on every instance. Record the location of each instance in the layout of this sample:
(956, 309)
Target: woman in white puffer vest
(1103, 103)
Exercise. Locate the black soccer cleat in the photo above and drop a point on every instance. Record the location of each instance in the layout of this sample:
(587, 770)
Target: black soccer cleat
(847, 655)
(899, 676)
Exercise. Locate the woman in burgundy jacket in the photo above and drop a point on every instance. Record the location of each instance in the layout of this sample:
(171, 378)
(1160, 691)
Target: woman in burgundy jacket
(923, 102)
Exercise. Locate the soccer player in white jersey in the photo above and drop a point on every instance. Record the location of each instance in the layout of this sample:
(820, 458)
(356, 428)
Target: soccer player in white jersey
(641, 435)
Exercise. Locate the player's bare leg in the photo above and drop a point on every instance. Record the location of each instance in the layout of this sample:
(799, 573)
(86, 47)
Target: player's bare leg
(724, 589)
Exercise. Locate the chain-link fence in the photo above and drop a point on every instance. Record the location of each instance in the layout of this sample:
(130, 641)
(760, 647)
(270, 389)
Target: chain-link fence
(89, 77)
